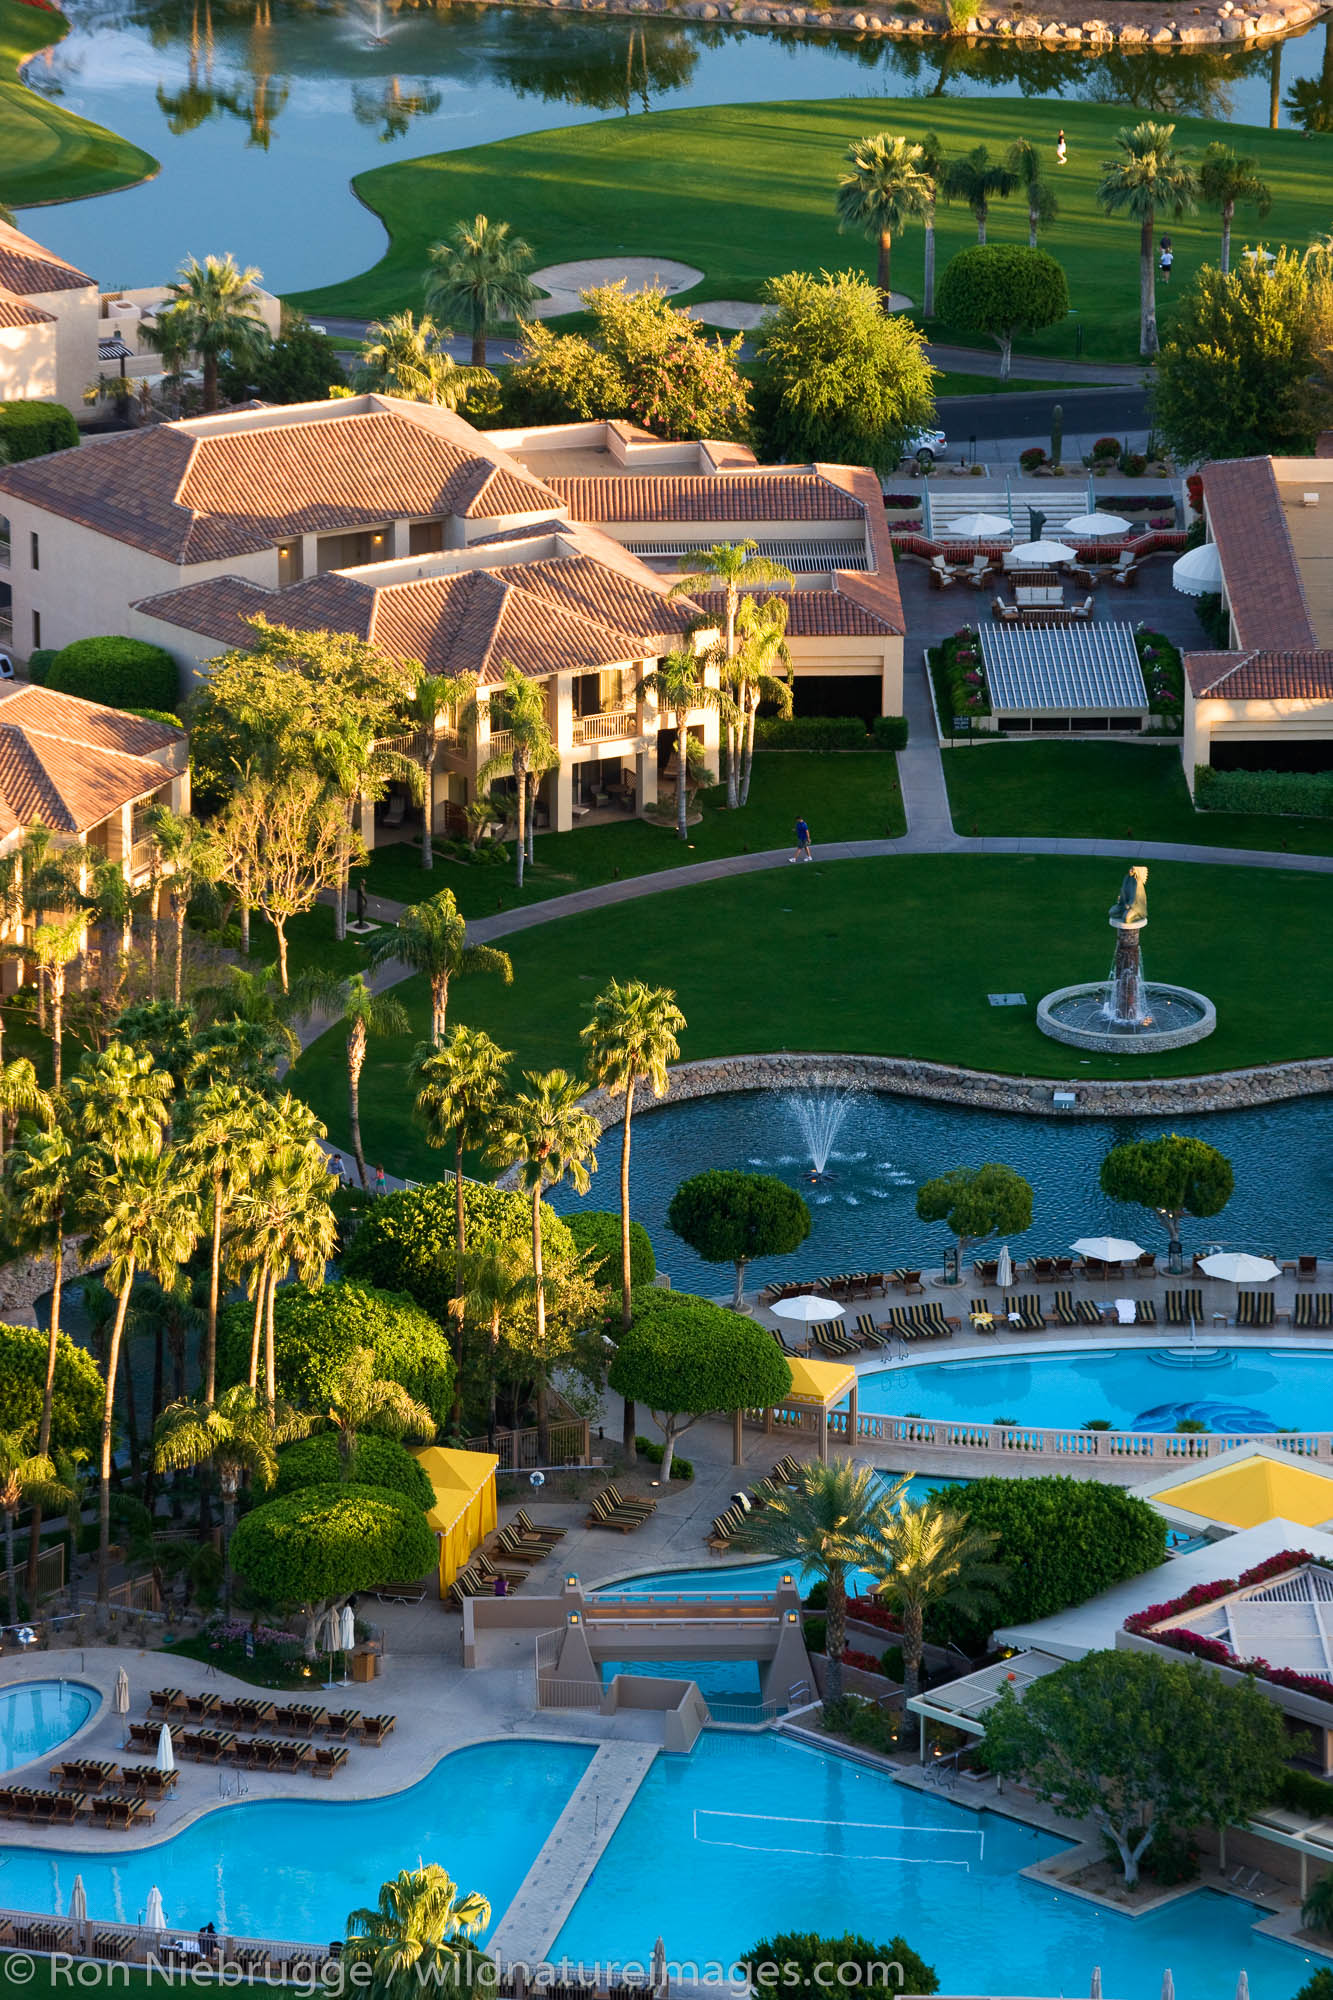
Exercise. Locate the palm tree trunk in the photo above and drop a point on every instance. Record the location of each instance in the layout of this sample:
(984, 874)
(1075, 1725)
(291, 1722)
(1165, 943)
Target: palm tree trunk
(180, 906)
(928, 275)
(270, 1355)
(682, 740)
(427, 771)
(882, 268)
(48, 1388)
(913, 1642)
(9, 1560)
(261, 1285)
(131, 1407)
(492, 1349)
(210, 382)
(520, 775)
(1275, 87)
(439, 1006)
(1147, 289)
(228, 1481)
(1033, 219)
(154, 885)
(108, 1416)
(57, 1024)
(214, 1281)
(460, 1226)
(478, 341)
(539, 1314)
(1228, 211)
(747, 766)
(631, 1414)
(835, 1626)
(356, 1056)
(981, 214)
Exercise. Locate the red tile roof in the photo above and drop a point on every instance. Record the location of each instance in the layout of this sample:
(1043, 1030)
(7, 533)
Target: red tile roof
(26, 267)
(66, 763)
(764, 495)
(1306, 675)
(813, 614)
(1263, 579)
(16, 311)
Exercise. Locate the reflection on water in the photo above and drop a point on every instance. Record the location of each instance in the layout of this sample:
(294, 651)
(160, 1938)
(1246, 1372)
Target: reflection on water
(262, 110)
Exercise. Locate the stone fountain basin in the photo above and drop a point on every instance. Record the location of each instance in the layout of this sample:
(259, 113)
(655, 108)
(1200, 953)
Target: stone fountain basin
(1150, 1041)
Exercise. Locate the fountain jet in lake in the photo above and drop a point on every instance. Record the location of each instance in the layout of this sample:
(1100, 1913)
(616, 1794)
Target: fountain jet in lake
(819, 1116)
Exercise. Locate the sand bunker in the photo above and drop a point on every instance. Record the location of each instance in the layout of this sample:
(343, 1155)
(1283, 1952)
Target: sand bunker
(564, 282)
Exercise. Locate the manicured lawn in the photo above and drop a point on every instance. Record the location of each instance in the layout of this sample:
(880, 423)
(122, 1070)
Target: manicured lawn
(949, 383)
(46, 153)
(745, 191)
(892, 957)
(852, 795)
(1104, 791)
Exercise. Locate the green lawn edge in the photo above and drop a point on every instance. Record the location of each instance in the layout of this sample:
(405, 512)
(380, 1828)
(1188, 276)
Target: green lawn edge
(744, 191)
(48, 154)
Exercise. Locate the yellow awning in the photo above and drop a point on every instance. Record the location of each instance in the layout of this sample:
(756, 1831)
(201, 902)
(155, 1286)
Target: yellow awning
(464, 1511)
(822, 1382)
(1258, 1490)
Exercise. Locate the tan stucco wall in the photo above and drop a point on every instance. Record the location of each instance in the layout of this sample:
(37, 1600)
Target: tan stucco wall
(28, 362)
(1208, 720)
(78, 313)
(882, 657)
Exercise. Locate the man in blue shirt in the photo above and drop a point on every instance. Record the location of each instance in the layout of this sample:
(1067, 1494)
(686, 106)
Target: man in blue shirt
(802, 842)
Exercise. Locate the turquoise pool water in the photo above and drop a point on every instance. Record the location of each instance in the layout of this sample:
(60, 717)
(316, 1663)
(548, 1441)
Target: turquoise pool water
(717, 1680)
(292, 1869)
(1142, 1389)
(36, 1716)
(753, 1835)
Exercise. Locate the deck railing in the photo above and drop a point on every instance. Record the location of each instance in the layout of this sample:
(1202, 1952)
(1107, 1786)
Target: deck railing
(612, 725)
(935, 1434)
(518, 1451)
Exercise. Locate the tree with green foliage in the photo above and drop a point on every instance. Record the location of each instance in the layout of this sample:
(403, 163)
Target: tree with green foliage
(680, 382)
(800, 1965)
(1173, 1175)
(930, 1558)
(417, 1936)
(678, 687)
(495, 1284)
(315, 1547)
(31, 429)
(300, 366)
(977, 180)
(836, 379)
(730, 1217)
(26, 1477)
(283, 1220)
(596, 1232)
(282, 845)
(732, 568)
(405, 356)
(431, 938)
(561, 378)
(1148, 177)
(362, 1012)
(1027, 163)
(976, 1203)
(1317, 1915)
(933, 164)
(191, 861)
(237, 1436)
(363, 1401)
(751, 674)
(517, 706)
(1140, 1745)
(380, 1461)
(1003, 289)
(41, 1182)
(686, 1358)
(1226, 179)
(223, 1133)
(1244, 371)
(479, 276)
(407, 1241)
(883, 187)
(316, 1332)
(215, 314)
(119, 672)
(824, 1525)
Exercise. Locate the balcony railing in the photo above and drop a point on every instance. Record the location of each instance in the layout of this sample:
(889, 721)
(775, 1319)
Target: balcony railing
(502, 743)
(612, 725)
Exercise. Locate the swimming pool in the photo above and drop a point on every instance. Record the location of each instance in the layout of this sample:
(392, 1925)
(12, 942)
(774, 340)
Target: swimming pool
(37, 1716)
(292, 1869)
(749, 1836)
(1141, 1389)
(716, 1680)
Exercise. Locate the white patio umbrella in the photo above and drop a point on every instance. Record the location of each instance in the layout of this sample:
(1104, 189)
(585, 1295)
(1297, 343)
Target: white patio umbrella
(78, 1902)
(120, 1697)
(1234, 1267)
(807, 1309)
(1038, 555)
(155, 1917)
(1096, 1982)
(660, 1968)
(1243, 1985)
(327, 1638)
(166, 1756)
(347, 1629)
(1198, 572)
(1087, 527)
(976, 528)
(1107, 1249)
(1004, 1269)
(1168, 1985)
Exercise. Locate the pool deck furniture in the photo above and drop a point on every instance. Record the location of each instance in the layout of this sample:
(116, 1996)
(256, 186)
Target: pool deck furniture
(829, 1339)
(986, 1270)
(1145, 1312)
(199, 1707)
(1043, 613)
(400, 1593)
(910, 1281)
(1256, 1309)
(981, 1317)
(941, 576)
(329, 1760)
(1184, 1306)
(528, 1528)
(1024, 1309)
(166, 1702)
(724, 1527)
(869, 1334)
(1313, 1311)
(603, 1513)
(82, 1774)
(146, 1778)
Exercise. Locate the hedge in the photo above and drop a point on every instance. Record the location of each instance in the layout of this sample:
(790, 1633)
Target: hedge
(406, 1242)
(800, 1965)
(1215, 619)
(1163, 672)
(315, 1332)
(40, 662)
(1301, 1791)
(809, 732)
(599, 1229)
(122, 673)
(32, 429)
(654, 1451)
(76, 1410)
(330, 1541)
(1303, 794)
(380, 1461)
(889, 732)
(959, 677)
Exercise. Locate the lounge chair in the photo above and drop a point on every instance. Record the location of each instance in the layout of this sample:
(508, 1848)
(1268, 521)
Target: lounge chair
(144, 1735)
(1028, 1308)
(513, 1573)
(400, 1593)
(724, 1527)
(1258, 1309)
(829, 1339)
(981, 1316)
(787, 1471)
(631, 1503)
(527, 1526)
(1145, 1313)
(1307, 1267)
(1062, 1309)
(1184, 1306)
(329, 1758)
(1041, 1267)
(374, 1728)
(1144, 1265)
(985, 1273)
(909, 1280)
(603, 1514)
(519, 1551)
(166, 1701)
(1313, 1310)
(869, 1334)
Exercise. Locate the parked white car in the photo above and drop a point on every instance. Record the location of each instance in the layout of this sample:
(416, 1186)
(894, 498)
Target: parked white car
(926, 445)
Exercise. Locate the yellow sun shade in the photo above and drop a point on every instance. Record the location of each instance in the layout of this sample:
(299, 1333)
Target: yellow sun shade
(822, 1382)
(1256, 1491)
(464, 1510)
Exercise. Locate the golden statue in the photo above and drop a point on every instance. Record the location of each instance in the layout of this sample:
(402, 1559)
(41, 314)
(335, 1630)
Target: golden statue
(1130, 912)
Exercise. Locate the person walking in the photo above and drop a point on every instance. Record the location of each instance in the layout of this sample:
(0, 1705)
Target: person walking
(1061, 149)
(1166, 260)
(379, 1180)
(338, 1167)
(802, 842)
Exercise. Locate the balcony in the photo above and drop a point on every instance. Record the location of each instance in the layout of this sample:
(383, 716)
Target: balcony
(502, 743)
(611, 725)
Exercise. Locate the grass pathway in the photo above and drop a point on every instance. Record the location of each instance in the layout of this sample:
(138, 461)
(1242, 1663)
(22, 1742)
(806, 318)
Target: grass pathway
(47, 153)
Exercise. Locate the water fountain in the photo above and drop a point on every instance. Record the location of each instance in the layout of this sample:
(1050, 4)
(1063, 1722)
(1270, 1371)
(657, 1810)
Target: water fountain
(1125, 1013)
(819, 1115)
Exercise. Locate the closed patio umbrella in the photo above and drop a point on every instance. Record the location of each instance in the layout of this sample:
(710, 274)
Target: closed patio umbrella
(347, 1628)
(660, 1968)
(166, 1756)
(1107, 1249)
(1198, 572)
(1096, 1982)
(1243, 1985)
(120, 1697)
(1234, 1267)
(1168, 1985)
(78, 1902)
(1038, 555)
(1089, 527)
(155, 1917)
(1004, 1269)
(976, 528)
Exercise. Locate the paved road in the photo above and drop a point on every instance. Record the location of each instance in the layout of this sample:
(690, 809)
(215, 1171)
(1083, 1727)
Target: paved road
(1113, 411)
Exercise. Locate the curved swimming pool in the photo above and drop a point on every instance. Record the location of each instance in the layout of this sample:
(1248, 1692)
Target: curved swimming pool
(1236, 1389)
(37, 1716)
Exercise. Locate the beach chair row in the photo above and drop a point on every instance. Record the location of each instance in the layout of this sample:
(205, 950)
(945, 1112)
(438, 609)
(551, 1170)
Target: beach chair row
(64, 1808)
(612, 1509)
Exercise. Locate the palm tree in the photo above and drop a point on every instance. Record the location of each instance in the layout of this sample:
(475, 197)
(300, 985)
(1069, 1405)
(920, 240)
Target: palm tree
(546, 1129)
(258, 999)
(411, 1939)
(190, 860)
(222, 1136)
(53, 947)
(362, 1013)
(763, 634)
(220, 315)
(407, 357)
(40, 1179)
(480, 276)
(1148, 176)
(1043, 207)
(926, 1557)
(170, 1315)
(119, 1100)
(825, 1526)
(979, 180)
(886, 185)
(24, 1475)
(283, 1218)
(236, 1435)
(20, 1096)
(433, 696)
(631, 1037)
(431, 938)
(933, 164)
(364, 1401)
(735, 567)
(521, 706)
(679, 688)
(460, 1085)
(494, 1281)
(357, 764)
(1227, 178)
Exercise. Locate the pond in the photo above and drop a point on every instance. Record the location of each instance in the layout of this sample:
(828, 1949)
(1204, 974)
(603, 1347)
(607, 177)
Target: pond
(261, 111)
(864, 1213)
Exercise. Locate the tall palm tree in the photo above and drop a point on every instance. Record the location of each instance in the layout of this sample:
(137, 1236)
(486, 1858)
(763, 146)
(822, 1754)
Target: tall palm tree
(222, 1136)
(407, 357)
(1227, 178)
(20, 1096)
(825, 1526)
(171, 1316)
(53, 947)
(362, 1013)
(631, 1037)
(1148, 177)
(364, 1401)
(351, 756)
(680, 688)
(885, 186)
(236, 1435)
(460, 1086)
(519, 706)
(119, 1100)
(733, 567)
(24, 1475)
(923, 1558)
(1027, 163)
(258, 999)
(283, 1219)
(979, 180)
(933, 165)
(413, 1938)
(431, 938)
(546, 1130)
(191, 859)
(220, 315)
(479, 276)
(433, 696)
(494, 1281)
(39, 1185)
(763, 646)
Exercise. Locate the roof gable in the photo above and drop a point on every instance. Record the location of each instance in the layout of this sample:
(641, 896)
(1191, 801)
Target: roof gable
(27, 267)
(1305, 674)
(763, 495)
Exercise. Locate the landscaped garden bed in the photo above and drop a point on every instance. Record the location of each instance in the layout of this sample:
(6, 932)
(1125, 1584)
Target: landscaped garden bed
(958, 677)
(1163, 674)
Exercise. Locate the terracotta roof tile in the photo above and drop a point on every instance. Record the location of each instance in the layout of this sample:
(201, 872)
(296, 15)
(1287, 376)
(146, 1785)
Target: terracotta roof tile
(26, 267)
(813, 614)
(1305, 675)
(725, 496)
(16, 311)
(66, 763)
(1263, 578)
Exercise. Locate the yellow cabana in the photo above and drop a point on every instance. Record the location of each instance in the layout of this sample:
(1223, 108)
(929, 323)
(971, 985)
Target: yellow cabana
(464, 1510)
(1256, 1490)
(824, 1383)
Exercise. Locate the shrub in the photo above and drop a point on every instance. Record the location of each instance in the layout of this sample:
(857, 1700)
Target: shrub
(599, 1229)
(39, 664)
(649, 1448)
(1212, 614)
(1194, 492)
(862, 1721)
(1317, 1909)
(1170, 1858)
(163, 715)
(406, 1242)
(31, 430)
(316, 1331)
(1307, 794)
(330, 1541)
(891, 1663)
(912, 500)
(1303, 1792)
(76, 1412)
(1319, 1986)
(800, 1965)
(1163, 672)
(1107, 447)
(959, 677)
(816, 1634)
(122, 673)
(1032, 458)
(380, 1461)
(816, 1598)
(809, 732)
(889, 732)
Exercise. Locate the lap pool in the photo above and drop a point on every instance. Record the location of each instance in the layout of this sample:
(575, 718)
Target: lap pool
(749, 1836)
(1142, 1389)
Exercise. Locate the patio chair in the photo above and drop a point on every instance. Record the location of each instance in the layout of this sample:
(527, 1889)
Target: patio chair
(909, 1280)
(1041, 1267)
(1126, 569)
(329, 1758)
(1062, 1309)
(1145, 1313)
(829, 1339)
(1083, 610)
(1184, 1306)
(869, 1334)
(1319, 1306)
(1144, 1265)
(604, 1515)
(985, 1272)
(527, 1526)
(724, 1527)
(941, 576)
(1028, 1308)
(982, 1318)
(633, 1503)
(374, 1728)
(1064, 1267)
(787, 1471)
(1307, 1268)
(932, 1322)
(1257, 1309)
(514, 1546)
(979, 571)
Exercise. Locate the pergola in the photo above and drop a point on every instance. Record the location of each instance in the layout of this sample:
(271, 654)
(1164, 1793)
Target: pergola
(1034, 672)
(822, 1385)
(964, 1704)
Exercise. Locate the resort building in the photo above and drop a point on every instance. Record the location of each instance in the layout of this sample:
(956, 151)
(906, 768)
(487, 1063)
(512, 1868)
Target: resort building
(402, 524)
(1266, 703)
